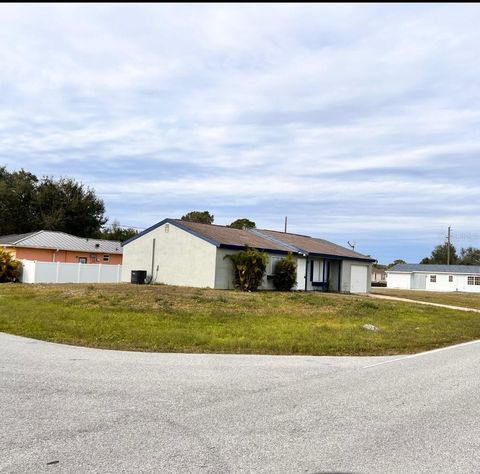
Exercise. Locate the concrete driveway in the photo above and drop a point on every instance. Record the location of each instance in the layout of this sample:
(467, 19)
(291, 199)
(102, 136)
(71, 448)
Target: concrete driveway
(70, 409)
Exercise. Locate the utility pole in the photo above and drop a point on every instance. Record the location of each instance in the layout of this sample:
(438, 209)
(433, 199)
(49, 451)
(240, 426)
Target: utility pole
(286, 220)
(448, 246)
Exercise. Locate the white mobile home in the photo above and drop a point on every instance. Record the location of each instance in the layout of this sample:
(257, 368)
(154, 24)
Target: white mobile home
(184, 253)
(434, 277)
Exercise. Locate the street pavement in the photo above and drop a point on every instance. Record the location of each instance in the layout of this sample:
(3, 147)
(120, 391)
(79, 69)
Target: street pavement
(67, 409)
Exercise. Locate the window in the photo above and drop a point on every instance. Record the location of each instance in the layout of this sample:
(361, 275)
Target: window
(106, 258)
(450, 278)
(82, 259)
(477, 280)
(433, 278)
(272, 262)
(167, 228)
(470, 281)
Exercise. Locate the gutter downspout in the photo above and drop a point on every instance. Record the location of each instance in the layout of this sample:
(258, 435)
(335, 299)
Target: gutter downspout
(153, 260)
(306, 272)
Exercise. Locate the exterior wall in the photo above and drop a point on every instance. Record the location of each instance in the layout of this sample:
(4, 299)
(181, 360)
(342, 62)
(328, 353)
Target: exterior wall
(224, 271)
(64, 256)
(399, 280)
(179, 258)
(346, 275)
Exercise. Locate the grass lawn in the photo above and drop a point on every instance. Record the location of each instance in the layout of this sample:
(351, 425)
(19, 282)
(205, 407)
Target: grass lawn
(175, 319)
(468, 300)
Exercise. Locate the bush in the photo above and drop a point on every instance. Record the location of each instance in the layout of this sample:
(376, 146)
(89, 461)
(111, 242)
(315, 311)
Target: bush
(249, 266)
(285, 273)
(9, 267)
(382, 284)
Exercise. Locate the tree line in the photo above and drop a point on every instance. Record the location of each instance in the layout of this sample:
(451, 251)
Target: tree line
(29, 203)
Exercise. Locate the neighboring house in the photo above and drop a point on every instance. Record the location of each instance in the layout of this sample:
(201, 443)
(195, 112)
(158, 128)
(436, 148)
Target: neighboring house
(379, 275)
(184, 253)
(434, 277)
(50, 246)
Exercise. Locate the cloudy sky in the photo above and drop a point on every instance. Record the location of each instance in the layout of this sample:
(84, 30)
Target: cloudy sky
(360, 123)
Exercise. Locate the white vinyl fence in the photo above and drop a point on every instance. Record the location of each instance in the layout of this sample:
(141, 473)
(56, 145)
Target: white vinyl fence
(57, 272)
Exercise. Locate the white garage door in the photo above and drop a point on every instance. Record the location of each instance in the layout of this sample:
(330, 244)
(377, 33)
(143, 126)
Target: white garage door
(358, 279)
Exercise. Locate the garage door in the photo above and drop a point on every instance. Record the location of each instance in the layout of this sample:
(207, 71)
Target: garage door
(358, 279)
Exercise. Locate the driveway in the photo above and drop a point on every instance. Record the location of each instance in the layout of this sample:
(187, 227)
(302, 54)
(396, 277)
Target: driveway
(74, 410)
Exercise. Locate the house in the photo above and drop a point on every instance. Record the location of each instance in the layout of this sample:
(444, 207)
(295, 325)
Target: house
(434, 277)
(184, 253)
(379, 275)
(50, 246)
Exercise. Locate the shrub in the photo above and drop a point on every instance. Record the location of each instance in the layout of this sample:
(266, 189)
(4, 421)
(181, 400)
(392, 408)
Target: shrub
(9, 267)
(285, 273)
(249, 266)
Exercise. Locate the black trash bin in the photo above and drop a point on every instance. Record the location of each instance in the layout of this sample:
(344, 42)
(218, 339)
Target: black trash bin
(138, 277)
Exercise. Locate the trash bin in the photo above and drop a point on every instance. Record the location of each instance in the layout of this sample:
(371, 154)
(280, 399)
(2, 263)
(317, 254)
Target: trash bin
(138, 277)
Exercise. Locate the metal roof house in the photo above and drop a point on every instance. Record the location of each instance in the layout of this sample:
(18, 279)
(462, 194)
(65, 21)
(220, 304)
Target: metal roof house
(52, 246)
(184, 253)
(410, 276)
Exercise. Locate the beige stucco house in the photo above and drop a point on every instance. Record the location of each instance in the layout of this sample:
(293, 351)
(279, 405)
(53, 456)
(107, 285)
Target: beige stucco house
(184, 253)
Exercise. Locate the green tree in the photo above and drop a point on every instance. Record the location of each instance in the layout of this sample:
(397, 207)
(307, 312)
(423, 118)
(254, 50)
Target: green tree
(439, 255)
(242, 224)
(249, 267)
(115, 232)
(203, 217)
(28, 204)
(399, 261)
(17, 193)
(469, 256)
(285, 273)
(68, 206)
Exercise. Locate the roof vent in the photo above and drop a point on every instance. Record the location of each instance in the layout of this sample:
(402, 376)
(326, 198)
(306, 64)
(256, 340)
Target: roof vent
(97, 245)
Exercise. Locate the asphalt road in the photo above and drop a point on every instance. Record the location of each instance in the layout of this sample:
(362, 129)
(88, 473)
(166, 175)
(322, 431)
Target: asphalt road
(88, 410)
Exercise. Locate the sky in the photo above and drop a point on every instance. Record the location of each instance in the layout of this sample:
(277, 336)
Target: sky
(360, 123)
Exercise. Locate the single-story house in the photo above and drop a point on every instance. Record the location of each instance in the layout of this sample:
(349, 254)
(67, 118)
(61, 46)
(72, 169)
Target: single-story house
(434, 277)
(379, 275)
(50, 246)
(177, 252)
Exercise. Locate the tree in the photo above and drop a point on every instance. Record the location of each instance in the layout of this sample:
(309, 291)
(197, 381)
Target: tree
(17, 192)
(399, 261)
(469, 256)
(285, 273)
(439, 255)
(9, 267)
(68, 206)
(249, 267)
(203, 217)
(116, 232)
(28, 204)
(242, 224)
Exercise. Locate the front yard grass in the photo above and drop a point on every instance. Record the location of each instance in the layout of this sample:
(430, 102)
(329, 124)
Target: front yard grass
(467, 300)
(175, 319)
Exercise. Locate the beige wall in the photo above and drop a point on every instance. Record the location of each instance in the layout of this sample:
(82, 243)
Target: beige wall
(179, 258)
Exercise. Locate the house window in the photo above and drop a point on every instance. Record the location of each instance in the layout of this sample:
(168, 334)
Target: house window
(106, 258)
(471, 280)
(477, 280)
(82, 259)
(450, 278)
(433, 278)
(272, 262)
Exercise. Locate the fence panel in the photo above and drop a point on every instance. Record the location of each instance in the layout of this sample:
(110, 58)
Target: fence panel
(58, 272)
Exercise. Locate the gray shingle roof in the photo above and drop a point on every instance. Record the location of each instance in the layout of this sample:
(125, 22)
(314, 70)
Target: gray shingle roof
(418, 267)
(59, 240)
